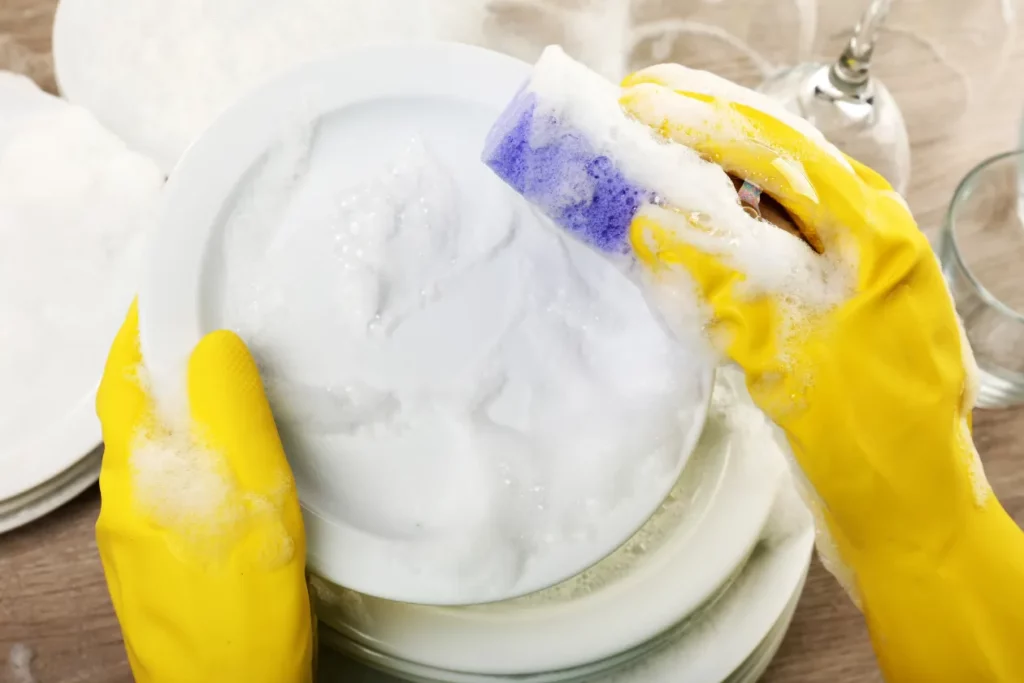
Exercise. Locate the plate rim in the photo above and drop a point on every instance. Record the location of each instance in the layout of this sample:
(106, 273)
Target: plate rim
(52, 451)
(40, 456)
(54, 494)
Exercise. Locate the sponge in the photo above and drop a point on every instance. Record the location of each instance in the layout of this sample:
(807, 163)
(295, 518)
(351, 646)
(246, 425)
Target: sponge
(543, 149)
(566, 145)
(563, 174)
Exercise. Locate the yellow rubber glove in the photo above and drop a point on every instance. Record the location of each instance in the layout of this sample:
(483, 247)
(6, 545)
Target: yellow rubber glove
(865, 368)
(200, 532)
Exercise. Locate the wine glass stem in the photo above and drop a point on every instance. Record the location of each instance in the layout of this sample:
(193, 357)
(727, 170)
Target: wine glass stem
(851, 72)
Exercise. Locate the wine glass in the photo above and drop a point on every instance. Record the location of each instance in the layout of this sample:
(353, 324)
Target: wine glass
(940, 61)
(854, 110)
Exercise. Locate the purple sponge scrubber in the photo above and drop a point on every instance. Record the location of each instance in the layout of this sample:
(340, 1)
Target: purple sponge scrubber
(540, 151)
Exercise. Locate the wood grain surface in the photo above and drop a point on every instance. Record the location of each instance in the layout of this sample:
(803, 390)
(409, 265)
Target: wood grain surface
(52, 594)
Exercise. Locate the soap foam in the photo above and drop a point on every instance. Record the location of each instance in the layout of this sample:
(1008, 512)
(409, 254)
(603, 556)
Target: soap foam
(485, 401)
(190, 491)
(734, 424)
(178, 482)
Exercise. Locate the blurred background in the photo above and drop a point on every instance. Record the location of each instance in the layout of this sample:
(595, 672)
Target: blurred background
(949, 64)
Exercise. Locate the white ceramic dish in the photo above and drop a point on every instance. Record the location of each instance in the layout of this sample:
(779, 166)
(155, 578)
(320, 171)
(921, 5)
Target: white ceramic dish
(365, 105)
(50, 452)
(53, 424)
(37, 450)
(40, 501)
(733, 641)
(759, 660)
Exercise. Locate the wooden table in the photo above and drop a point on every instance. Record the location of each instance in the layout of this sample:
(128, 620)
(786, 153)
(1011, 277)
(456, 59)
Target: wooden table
(52, 594)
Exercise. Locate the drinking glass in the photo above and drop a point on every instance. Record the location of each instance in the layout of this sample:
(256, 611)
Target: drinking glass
(982, 254)
(854, 110)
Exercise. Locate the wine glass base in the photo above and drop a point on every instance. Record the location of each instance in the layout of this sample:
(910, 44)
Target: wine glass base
(865, 123)
(998, 392)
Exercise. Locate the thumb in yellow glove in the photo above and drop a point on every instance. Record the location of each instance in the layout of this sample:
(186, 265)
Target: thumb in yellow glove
(200, 532)
(857, 354)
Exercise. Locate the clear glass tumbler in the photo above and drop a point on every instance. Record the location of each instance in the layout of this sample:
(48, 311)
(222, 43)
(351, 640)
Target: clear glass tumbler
(982, 254)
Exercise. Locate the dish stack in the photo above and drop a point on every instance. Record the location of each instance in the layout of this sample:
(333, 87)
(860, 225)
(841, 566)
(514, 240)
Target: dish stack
(704, 593)
(24, 502)
(73, 204)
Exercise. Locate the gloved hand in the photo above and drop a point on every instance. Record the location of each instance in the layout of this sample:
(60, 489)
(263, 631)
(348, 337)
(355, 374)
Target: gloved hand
(858, 356)
(200, 532)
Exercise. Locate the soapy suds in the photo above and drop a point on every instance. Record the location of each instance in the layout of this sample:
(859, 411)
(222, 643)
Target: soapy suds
(733, 423)
(486, 405)
(73, 201)
(176, 482)
(192, 494)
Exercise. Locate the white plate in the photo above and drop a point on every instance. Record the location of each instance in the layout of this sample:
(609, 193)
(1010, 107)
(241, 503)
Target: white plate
(759, 660)
(32, 505)
(740, 633)
(54, 425)
(33, 453)
(365, 106)
(724, 499)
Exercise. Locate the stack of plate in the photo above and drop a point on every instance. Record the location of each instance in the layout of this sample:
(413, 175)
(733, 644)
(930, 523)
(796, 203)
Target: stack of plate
(702, 594)
(49, 434)
(44, 467)
(35, 501)
(733, 641)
